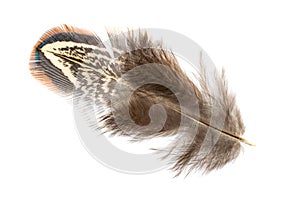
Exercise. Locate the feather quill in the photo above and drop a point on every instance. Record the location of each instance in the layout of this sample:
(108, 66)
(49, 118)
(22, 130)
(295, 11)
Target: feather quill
(75, 62)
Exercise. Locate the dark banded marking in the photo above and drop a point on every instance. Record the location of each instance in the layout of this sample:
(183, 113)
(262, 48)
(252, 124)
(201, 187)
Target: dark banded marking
(49, 73)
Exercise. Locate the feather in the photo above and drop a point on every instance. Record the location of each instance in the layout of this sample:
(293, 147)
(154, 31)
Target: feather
(136, 88)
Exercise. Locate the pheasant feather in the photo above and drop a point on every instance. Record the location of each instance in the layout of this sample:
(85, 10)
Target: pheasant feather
(127, 83)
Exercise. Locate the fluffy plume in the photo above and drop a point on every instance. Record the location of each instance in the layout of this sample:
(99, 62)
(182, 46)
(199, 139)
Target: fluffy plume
(136, 88)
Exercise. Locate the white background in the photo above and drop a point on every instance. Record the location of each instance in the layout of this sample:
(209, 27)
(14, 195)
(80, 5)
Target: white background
(258, 44)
